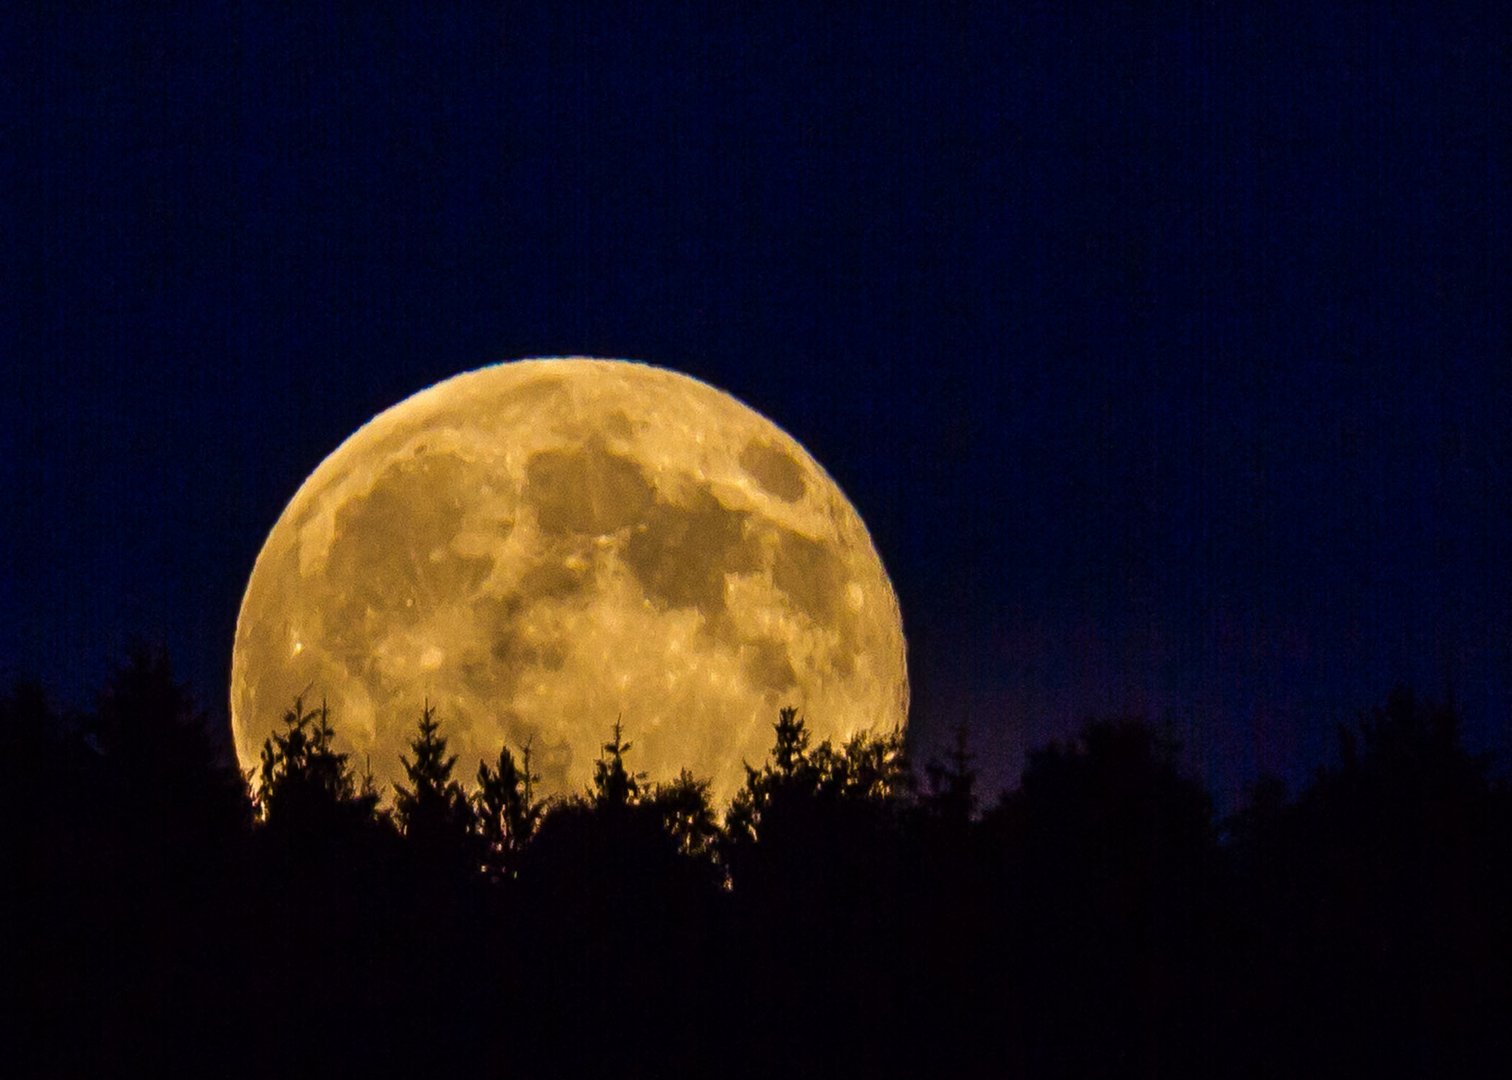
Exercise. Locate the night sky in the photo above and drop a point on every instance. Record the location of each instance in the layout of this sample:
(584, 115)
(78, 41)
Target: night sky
(1166, 358)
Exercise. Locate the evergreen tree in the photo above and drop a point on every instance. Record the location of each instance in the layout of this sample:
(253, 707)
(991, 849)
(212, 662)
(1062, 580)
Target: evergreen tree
(615, 787)
(790, 754)
(505, 811)
(154, 742)
(811, 850)
(687, 814)
(867, 769)
(51, 798)
(787, 766)
(303, 778)
(1108, 851)
(623, 839)
(1390, 864)
(432, 809)
(951, 785)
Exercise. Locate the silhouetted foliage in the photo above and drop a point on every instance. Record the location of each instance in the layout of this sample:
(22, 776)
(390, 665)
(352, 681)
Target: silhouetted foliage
(687, 814)
(50, 790)
(1094, 921)
(623, 825)
(1375, 904)
(614, 787)
(432, 811)
(130, 830)
(1111, 857)
(623, 872)
(155, 744)
(38, 760)
(815, 870)
(505, 812)
(867, 769)
(951, 785)
(304, 781)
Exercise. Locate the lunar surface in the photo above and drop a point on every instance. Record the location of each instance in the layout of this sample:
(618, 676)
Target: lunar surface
(544, 546)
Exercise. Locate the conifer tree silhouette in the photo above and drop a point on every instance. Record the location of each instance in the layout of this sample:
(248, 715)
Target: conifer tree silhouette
(951, 785)
(615, 787)
(1375, 929)
(304, 780)
(505, 811)
(432, 810)
(811, 852)
(868, 768)
(687, 814)
(1109, 849)
(155, 744)
(637, 834)
(790, 748)
(788, 768)
(1360, 923)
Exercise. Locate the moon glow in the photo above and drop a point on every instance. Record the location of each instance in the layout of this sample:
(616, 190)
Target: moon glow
(541, 547)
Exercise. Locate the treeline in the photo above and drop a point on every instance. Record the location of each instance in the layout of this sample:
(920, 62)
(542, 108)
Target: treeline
(846, 915)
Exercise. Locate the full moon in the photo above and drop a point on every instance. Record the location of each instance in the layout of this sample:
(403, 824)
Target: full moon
(540, 548)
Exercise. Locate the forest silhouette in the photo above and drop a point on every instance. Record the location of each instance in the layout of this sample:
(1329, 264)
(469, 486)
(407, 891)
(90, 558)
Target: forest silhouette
(846, 915)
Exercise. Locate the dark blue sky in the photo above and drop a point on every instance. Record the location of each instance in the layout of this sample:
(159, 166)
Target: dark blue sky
(1167, 358)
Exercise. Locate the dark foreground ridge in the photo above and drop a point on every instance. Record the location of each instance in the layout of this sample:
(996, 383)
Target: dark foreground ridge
(845, 918)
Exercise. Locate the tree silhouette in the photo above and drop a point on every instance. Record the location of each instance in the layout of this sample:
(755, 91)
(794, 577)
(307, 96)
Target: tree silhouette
(614, 787)
(868, 769)
(789, 755)
(1093, 921)
(132, 838)
(505, 811)
(1374, 916)
(687, 815)
(788, 768)
(951, 785)
(304, 780)
(432, 811)
(42, 768)
(328, 900)
(815, 874)
(622, 875)
(54, 804)
(624, 827)
(164, 775)
(1109, 855)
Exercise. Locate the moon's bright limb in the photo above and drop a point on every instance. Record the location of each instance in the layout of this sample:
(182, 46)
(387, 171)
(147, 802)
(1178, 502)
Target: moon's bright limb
(540, 547)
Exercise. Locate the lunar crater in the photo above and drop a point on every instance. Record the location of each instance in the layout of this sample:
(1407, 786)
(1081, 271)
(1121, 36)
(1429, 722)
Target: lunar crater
(776, 472)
